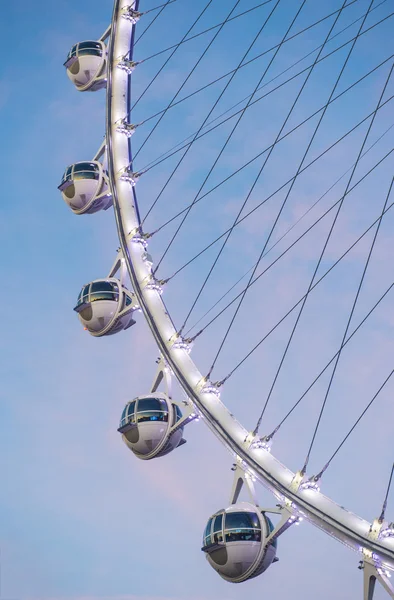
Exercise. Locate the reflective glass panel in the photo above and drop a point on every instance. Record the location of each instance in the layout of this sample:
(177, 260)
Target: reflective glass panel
(178, 413)
(152, 409)
(73, 51)
(85, 170)
(243, 535)
(217, 528)
(89, 49)
(242, 526)
(130, 412)
(83, 295)
(242, 520)
(104, 290)
(123, 417)
(207, 533)
(271, 527)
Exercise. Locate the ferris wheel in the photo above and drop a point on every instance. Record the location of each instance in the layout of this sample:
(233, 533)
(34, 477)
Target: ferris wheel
(240, 541)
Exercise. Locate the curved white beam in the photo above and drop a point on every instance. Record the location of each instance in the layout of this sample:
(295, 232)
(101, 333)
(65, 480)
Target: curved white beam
(320, 510)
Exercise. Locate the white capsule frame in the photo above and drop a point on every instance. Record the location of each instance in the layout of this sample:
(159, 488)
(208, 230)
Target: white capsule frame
(116, 322)
(78, 58)
(101, 199)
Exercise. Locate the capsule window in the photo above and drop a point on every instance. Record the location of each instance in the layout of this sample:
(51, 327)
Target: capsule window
(131, 412)
(85, 170)
(178, 412)
(207, 533)
(83, 295)
(242, 526)
(271, 527)
(89, 49)
(217, 529)
(152, 409)
(104, 290)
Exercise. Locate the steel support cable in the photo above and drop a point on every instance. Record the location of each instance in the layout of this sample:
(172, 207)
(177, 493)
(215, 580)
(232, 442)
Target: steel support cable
(261, 170)
(188, 146)
(349, 320)
(238, 307)
(315, 272)
(289, 413)
(193, 37)
(280, 188)
(382, 514)
(169, 58)
(174, 150)
(249, 162)
(187, 79)
(318, 476)
(296, 222)
(234, 127)
(278, 258)
(162, 7)
(256, 58)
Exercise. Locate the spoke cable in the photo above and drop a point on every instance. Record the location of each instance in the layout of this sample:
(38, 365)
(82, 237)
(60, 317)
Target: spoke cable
(171, 55)
(193, 37)
(174, 150)
(288, 230)
(162, 6)
(278, 258)
(249, 162)
(289, 413)
(288, 193)
(260, 171)
(187, 79)
(318, 476)
(317, 268)
(321, 257)
(231, 132)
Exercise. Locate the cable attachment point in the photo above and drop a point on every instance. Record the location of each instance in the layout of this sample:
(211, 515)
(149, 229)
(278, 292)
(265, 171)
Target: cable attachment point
(127, 65)
(263, 443)
(130, 14)
(127, 128)
(311, 484)
(182, 344)
(387, 532)
(130, 176)
(208, 387)
(154, 285)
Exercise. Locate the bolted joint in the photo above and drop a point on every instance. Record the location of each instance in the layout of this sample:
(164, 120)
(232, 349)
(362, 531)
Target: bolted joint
(130, 176)
(130, 14)
(127, 65)
(127, 128)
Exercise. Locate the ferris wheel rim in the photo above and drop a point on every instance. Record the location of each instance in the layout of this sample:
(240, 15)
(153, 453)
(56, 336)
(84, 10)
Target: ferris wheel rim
(318, 509)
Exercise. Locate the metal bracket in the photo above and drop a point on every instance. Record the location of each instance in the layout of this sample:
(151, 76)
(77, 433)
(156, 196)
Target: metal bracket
(130, 176)
(130, 14)
(246, 477)
(372, 573)
(127, 65)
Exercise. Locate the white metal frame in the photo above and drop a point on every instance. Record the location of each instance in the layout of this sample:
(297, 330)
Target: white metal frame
(375, 541)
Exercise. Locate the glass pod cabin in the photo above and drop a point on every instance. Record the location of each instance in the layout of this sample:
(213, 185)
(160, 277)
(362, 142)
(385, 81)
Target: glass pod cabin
(86, 65)
(235, 542)
(148, 426)
(84, 187)
(105, 307)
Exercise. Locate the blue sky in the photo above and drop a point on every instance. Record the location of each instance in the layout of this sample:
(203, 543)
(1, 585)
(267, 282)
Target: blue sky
(80, 518)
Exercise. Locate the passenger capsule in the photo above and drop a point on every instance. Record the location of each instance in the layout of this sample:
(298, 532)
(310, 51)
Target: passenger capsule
(84, 188)
(105, 307)
(148, 426)
(235, 542)
(86, 65)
